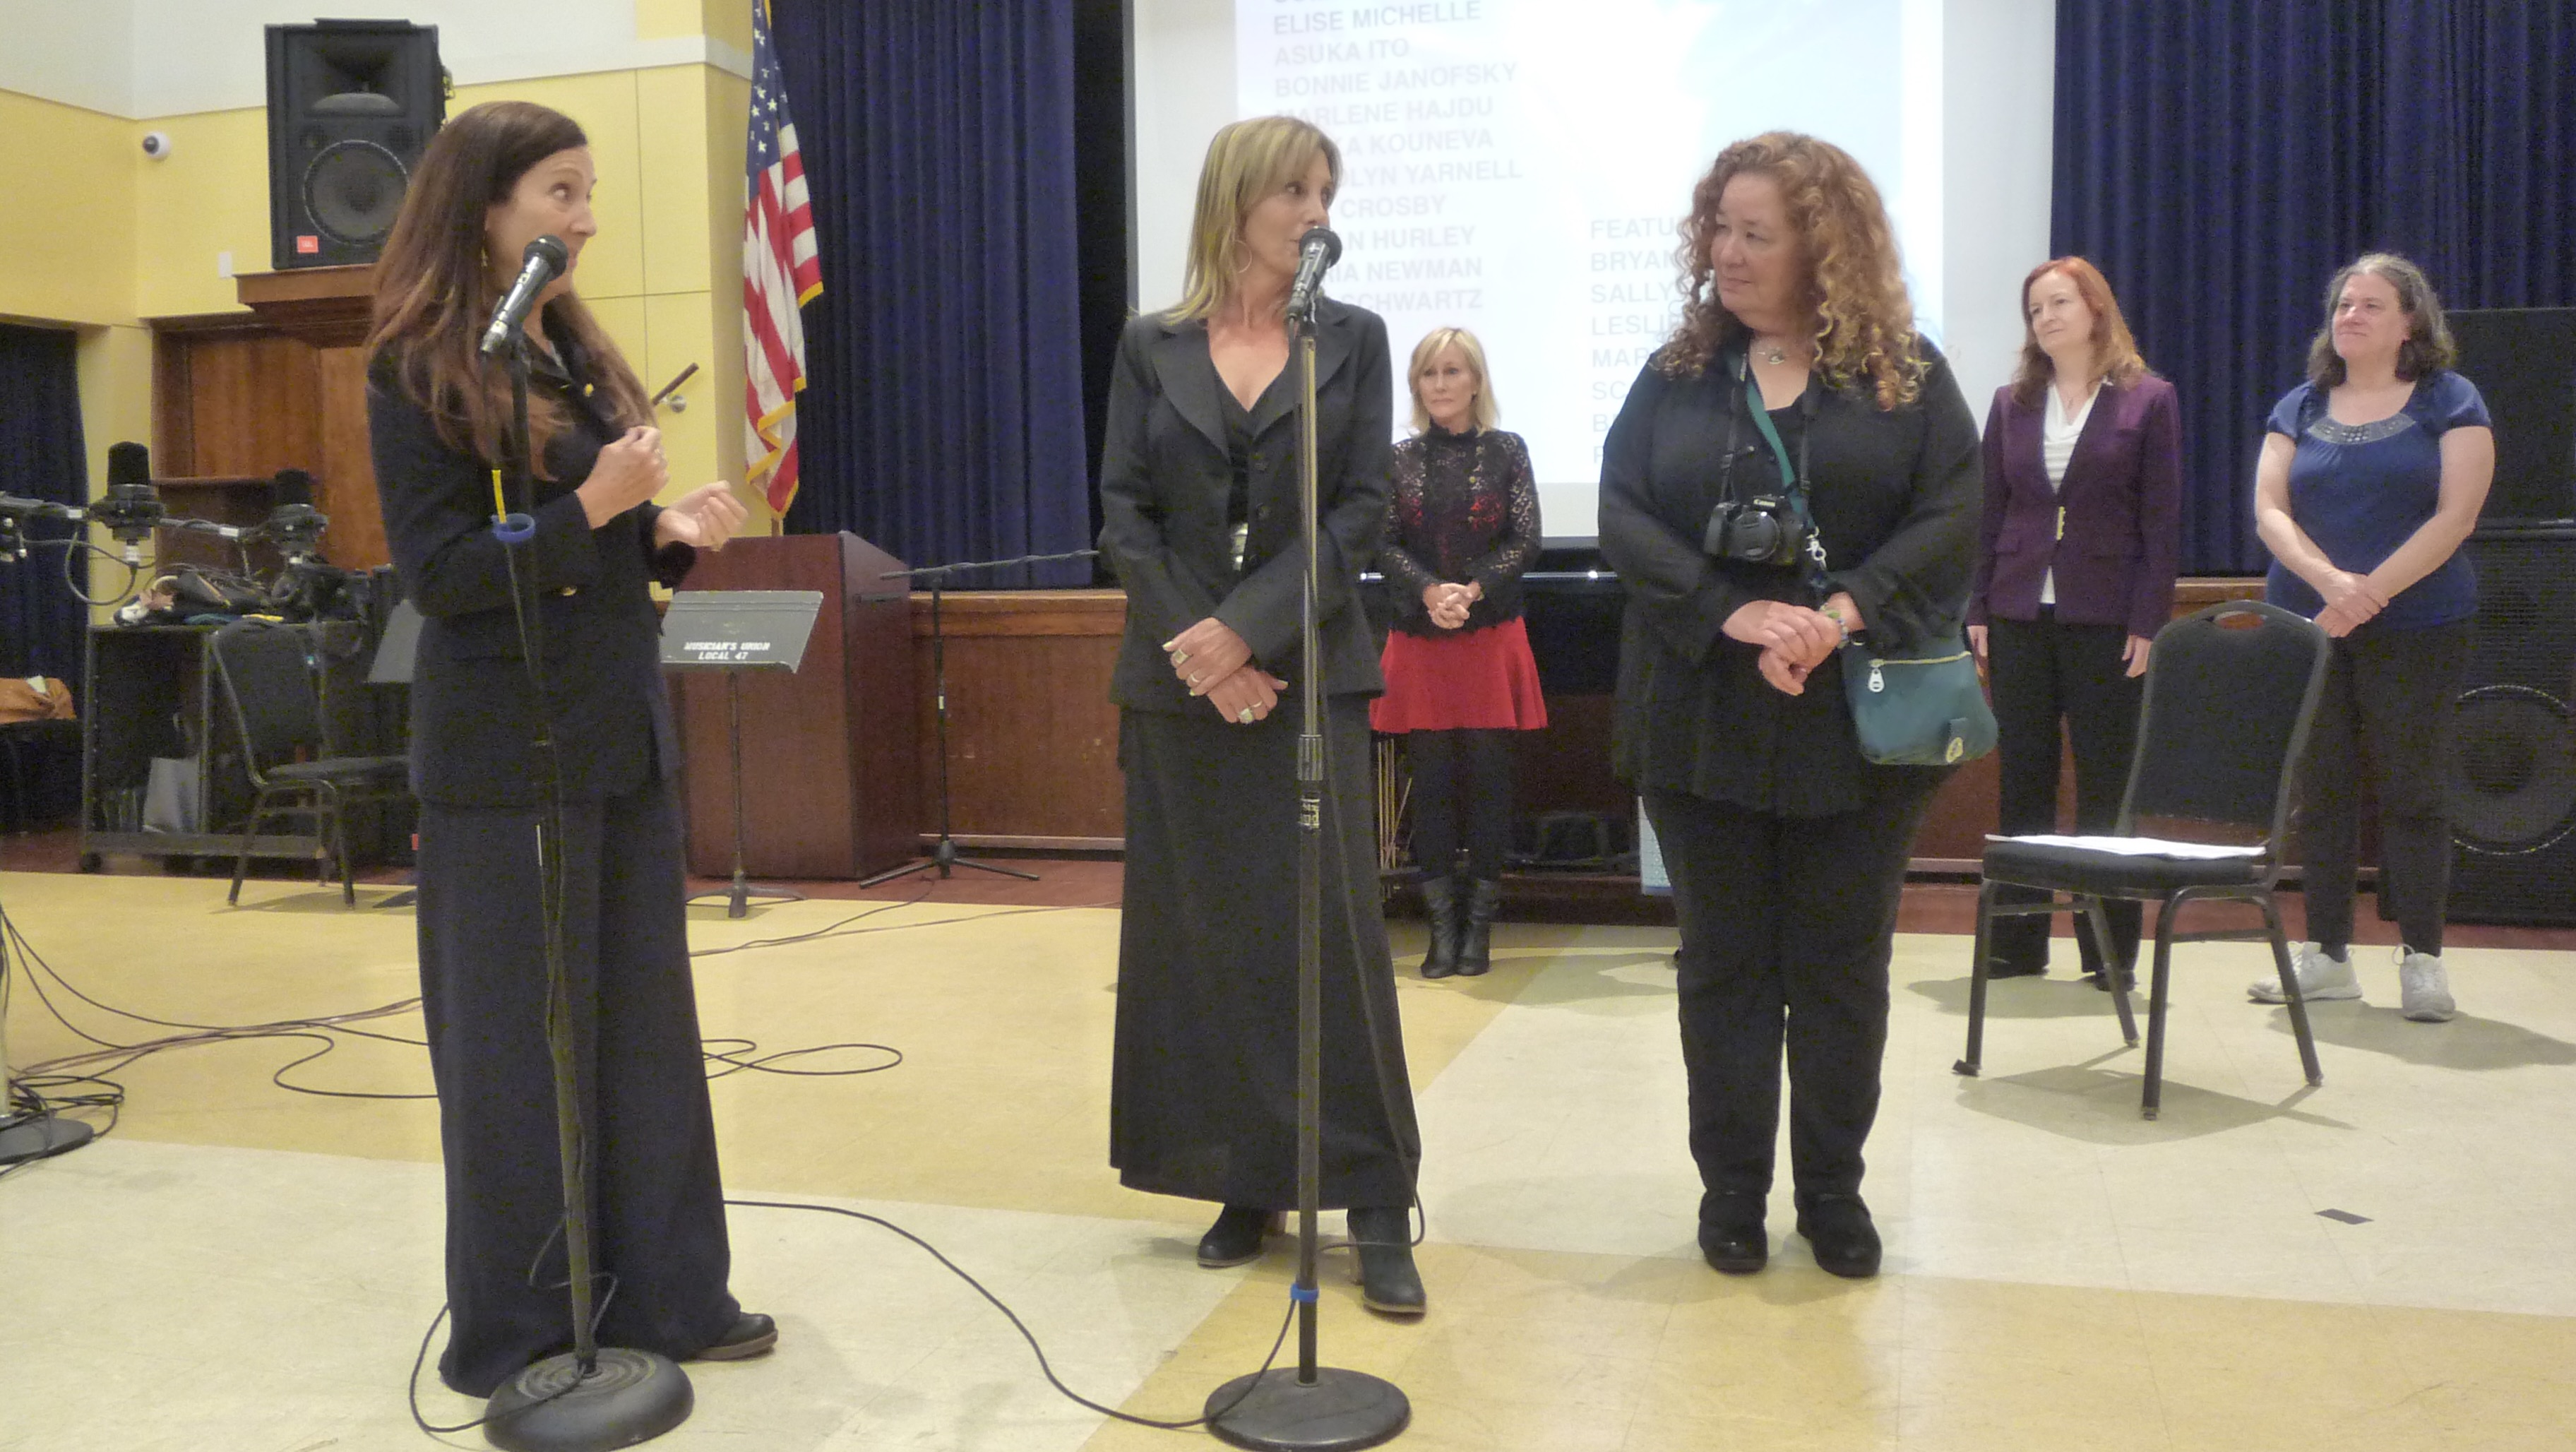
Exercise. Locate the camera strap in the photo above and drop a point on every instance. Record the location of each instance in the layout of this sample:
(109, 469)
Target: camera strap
(1793, 484)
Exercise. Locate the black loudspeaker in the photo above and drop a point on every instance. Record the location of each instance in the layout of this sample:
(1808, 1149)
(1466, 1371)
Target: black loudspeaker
(2513, 776)
(350, 105)
(2523, 361)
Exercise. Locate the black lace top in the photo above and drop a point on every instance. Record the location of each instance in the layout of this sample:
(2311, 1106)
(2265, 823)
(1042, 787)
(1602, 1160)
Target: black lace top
(1464, 509)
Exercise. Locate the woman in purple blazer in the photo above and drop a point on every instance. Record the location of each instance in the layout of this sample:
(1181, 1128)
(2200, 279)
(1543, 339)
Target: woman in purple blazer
(2075, 573)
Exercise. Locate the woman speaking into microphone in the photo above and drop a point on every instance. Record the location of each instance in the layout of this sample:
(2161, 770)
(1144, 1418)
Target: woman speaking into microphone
(499, 736)
(1200, 491)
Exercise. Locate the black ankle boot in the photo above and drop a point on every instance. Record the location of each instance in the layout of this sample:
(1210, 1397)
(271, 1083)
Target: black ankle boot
(1476, 939)
(1236, 1236)
(1440, 907)
(1382, 1241)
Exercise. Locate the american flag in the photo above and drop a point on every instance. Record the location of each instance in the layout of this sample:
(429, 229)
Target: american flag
(780, 273)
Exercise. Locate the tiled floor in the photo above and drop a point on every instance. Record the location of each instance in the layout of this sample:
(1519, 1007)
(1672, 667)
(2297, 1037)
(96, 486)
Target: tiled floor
(242, 1267)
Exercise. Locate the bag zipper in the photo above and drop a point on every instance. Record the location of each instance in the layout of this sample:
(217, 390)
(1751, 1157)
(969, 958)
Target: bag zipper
(1878, 680)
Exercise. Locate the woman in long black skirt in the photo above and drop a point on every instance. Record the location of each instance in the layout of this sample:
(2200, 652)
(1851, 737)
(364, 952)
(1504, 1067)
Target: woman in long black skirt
(494, 179)
(1199, 486)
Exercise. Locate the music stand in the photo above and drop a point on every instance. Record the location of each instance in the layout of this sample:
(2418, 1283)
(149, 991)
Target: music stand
(733, 631)
(396, 650)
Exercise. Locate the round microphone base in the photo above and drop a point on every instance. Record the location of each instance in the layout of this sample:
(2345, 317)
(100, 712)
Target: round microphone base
(1336, 1411)
(629, 1397)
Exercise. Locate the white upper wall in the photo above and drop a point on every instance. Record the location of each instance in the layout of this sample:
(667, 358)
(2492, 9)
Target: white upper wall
(145, 58)
(1998, 118)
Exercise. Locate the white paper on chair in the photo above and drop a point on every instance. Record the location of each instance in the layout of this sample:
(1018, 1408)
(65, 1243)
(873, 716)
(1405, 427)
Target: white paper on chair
(2138, 846)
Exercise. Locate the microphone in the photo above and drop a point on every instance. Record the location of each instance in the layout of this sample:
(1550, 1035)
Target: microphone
(545, 259)
(1316, 251)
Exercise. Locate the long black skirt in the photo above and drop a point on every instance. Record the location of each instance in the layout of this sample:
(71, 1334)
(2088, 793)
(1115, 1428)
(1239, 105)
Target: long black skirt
(656, 1201)
(1203, 1094)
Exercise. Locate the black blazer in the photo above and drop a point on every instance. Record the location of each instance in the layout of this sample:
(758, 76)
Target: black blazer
(473, 721)
(1165, 474)
(1894, 495)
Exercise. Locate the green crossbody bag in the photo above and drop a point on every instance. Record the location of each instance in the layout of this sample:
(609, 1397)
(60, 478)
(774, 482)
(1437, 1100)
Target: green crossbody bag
(1918, 707)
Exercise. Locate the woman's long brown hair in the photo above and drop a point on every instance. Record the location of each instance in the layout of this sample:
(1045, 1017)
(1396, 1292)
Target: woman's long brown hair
(434, 290)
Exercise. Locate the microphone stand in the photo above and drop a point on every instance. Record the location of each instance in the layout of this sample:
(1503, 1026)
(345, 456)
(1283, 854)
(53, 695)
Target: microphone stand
(1311, 1408)
(589, 1399)
(944, 855)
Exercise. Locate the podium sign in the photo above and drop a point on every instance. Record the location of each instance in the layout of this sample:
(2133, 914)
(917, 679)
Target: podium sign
(738, 630)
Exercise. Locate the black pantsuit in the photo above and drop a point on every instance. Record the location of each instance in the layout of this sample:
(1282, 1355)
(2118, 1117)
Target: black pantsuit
(658, 1204)
(1786, 927)
(2041, 671)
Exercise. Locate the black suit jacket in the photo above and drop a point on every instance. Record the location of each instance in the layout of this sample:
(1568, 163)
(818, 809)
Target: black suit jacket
(1165, 474)
(474, 721)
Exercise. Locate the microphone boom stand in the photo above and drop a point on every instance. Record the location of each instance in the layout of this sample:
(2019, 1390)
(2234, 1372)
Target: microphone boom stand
(589, 1399)
(1312, 1408)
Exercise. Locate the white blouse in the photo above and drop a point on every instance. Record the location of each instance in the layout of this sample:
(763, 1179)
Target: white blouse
(2057, 436)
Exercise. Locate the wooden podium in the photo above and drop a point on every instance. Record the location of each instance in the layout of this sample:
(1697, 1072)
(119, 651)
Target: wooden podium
(829, 756)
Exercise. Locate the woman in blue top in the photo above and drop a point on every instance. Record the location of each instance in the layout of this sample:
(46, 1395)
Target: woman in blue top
(2371, 476)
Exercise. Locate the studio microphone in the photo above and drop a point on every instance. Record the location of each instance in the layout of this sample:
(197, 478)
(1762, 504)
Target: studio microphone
(545, 259)
(1318, 250)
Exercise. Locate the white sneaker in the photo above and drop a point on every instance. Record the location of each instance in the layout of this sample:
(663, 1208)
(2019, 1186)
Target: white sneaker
(2320, 977)
(2423, 987)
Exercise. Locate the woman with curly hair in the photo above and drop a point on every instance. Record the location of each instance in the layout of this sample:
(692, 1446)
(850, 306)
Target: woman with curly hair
(1787, 848)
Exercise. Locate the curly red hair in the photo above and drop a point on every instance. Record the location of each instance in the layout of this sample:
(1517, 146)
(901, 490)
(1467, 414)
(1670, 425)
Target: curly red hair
(1864, 322)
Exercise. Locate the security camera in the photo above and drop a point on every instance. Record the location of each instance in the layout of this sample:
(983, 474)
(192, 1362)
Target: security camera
(156, 145)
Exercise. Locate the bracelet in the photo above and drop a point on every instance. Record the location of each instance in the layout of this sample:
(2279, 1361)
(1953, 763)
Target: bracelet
(1836, 616)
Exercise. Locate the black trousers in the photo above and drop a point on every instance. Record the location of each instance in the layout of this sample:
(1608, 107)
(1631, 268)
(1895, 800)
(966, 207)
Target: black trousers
(2043, 672)
(2390, 696)
(1786, 927)
(657, 1204)
(1443, 762)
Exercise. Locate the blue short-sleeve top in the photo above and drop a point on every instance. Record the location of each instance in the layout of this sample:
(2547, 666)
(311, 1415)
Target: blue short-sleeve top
(2359, 491)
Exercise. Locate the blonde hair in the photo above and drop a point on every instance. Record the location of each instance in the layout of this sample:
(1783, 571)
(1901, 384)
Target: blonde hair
(1855, 282)
(1246, 161)
(1486, 413)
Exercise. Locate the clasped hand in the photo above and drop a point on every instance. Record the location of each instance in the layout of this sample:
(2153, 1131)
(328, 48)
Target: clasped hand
(1794, 639)
(2351, 600)
(1448, 604)
(1214, 662)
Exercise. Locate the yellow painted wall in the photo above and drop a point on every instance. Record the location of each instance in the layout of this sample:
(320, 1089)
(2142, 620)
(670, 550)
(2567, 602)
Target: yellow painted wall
(66, 210)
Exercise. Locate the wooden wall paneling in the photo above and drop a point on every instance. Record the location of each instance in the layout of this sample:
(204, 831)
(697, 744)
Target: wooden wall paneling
(254, 405)
(1032, 737)
(344, 485)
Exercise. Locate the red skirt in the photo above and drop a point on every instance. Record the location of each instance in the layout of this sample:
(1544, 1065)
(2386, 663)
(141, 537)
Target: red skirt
(1473, 680)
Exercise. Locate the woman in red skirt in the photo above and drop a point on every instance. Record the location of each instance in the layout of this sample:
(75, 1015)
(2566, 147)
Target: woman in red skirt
(1462, 527)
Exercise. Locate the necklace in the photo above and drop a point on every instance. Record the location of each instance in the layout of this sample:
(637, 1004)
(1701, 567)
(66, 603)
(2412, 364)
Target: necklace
(1774, 354)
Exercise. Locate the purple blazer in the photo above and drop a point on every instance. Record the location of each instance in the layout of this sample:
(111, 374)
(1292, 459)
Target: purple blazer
(2116, 559)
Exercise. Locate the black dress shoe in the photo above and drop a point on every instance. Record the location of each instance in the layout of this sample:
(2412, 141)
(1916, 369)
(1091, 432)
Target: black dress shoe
(1731, 1235)
(2015, 968)
(752, 1334)
(2128, 981)
(1839, 1230)
(1382, 1239)
(1236, 1236)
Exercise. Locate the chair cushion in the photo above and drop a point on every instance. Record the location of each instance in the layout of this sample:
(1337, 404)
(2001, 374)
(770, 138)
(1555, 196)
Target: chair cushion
(344, 768)
(2089, 870)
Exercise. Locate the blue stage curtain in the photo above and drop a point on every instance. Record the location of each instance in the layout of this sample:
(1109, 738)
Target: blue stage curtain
(2218, 160)
(942, 418)
(41, 457)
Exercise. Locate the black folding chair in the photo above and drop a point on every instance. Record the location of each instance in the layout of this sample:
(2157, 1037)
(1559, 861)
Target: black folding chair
(267, 673)
(2229, 694)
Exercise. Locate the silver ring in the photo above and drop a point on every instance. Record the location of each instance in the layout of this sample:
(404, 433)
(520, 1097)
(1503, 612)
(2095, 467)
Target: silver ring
(1244, 715)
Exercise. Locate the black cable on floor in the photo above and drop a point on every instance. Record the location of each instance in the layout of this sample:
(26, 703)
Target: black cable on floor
(1045, 1369)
